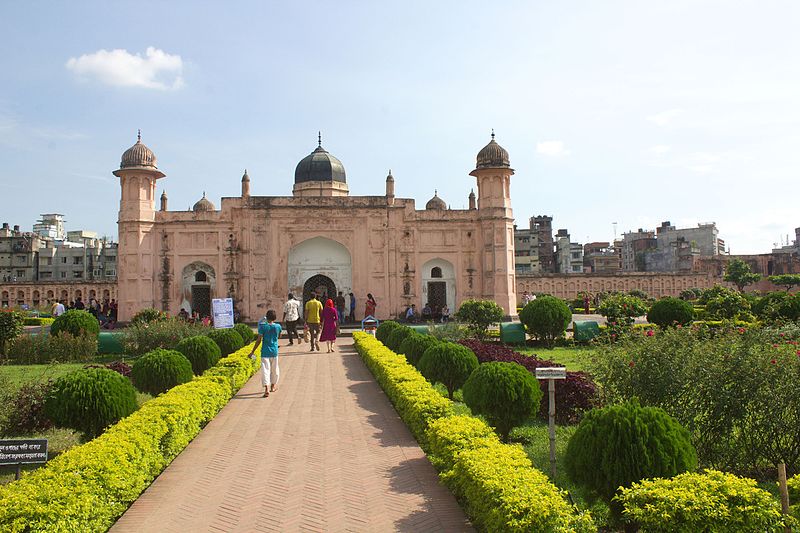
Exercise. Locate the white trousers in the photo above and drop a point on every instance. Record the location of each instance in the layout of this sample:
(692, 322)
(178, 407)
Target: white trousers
(269, 371)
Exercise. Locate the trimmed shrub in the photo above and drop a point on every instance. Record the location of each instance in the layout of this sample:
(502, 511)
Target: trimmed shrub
(449, 436)
(619, 445)
(39, 349)
(25, 409)
(88, 487)
(414, 346)
(505, 393)
(546, 318)
(397, 336)
(10, 327)
(448, 363)
(384, 329)
(89, 400)
(246, 332)
(77, 323)
(142, 338)
(37, 321)
(479, 315)
(728, 305)
(160, 370)
(201, 351)
(671, 312)
(708, 501)
(228, 340)
(147, 315)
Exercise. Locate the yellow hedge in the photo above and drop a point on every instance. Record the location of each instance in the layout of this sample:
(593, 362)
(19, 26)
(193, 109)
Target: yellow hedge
(88, 487)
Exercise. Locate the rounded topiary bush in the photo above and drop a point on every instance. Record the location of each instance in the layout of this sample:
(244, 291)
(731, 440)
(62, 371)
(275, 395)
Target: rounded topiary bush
(671, 312)
(619, 445)
(397, 336)
(449, 364)
(77, 323)
(201, 351)
(228, 340)
(505, 393)
(414, 346)
(89, 400)
(147, 315)
(160, 370)
(385, 328)
(546, 318)
(246, 332)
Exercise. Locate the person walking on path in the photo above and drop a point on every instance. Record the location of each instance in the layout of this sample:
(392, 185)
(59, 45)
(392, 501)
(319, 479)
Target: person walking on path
(339, 302)
(352, 316)
(330, 321)
(268, 332)
(291, 314)
(313, 309)
(369, 308)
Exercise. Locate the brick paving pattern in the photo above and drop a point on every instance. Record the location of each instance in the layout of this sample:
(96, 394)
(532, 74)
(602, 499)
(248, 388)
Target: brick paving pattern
(326, 452)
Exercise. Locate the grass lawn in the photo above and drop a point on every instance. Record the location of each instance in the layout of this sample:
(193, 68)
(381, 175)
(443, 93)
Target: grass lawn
(575, 358)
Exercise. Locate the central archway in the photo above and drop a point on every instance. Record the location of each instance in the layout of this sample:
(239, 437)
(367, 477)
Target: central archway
(322, 286)
(319, 259)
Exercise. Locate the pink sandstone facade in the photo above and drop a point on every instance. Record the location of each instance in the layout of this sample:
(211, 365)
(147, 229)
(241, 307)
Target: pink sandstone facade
(256, 249)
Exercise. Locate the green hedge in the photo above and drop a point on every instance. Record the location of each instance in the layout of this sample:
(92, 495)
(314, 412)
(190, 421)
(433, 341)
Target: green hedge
(496, 483)
(88, 487)
(37, 321)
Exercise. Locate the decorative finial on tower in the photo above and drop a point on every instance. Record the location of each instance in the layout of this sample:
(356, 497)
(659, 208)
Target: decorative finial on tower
(139, 136)
(319, 138)
(204, 194)
(436, 192)
(492, 133)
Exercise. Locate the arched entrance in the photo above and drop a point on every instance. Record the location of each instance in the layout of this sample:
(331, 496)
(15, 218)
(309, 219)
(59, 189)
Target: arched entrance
(439, 284)
(319, 263)
(320, 285)
(198, 282)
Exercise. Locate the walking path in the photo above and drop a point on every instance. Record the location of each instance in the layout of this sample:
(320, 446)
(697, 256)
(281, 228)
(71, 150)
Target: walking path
(326, 452)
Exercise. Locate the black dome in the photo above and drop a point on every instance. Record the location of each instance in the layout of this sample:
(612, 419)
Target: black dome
(319, 165)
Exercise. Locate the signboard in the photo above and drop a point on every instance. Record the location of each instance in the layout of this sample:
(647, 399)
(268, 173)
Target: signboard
(369, 325)
(222, 312)
(23, 451)
(553, 372)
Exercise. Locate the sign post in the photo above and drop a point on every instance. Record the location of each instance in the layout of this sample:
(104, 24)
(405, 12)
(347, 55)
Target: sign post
(222, 312)
(23, 451)
(551, 374)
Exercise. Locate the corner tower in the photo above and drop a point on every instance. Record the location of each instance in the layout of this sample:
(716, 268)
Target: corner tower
(496, 220)
(137, 175)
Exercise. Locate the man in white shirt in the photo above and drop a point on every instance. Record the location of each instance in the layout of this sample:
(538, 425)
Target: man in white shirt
(59, 309)
(291, 316)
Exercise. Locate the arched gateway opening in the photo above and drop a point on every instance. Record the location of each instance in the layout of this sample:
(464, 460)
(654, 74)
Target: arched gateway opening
(319, 265)
(320, 285)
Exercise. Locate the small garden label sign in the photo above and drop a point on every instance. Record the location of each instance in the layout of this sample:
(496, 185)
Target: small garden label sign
(23, 451)
(551, 374)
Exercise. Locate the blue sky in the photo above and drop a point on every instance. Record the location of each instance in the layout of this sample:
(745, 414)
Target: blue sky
(627, 112)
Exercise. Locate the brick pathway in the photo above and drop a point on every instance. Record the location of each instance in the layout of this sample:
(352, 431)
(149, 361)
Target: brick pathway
(326, 452)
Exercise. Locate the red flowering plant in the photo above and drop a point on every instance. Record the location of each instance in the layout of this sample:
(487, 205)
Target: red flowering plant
(620, 311)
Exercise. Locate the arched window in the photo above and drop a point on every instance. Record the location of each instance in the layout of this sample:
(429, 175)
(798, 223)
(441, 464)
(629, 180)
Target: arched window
(436, 272)
(200, 276)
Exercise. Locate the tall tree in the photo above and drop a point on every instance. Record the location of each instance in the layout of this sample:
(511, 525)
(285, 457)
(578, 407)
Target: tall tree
(787, 280)
(738, 272)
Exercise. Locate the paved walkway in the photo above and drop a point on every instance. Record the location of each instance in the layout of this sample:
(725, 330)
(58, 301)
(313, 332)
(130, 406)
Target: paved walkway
(326, 452)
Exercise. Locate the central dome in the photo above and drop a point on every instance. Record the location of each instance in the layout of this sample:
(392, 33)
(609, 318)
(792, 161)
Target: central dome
(319, 165)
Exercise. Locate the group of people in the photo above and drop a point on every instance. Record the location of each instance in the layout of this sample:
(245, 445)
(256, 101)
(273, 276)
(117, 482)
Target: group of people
(105, 312)
(194, 317)
(429, 314)
(322, 325)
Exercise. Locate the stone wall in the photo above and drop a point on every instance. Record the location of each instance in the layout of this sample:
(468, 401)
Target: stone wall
(42, 293)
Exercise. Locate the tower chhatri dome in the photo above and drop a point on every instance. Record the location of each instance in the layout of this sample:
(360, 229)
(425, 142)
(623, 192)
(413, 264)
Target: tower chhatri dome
(319, 165)
(138, 155)
(436, 202)
(203, 204)
(492, 156)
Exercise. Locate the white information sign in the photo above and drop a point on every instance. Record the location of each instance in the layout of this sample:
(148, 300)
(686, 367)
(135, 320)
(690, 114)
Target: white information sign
(222, 311)
(552, 372)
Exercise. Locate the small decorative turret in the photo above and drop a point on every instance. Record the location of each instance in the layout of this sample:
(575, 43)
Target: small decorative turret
(245, 185)
(390, 188)
(436, 202)
(472, 203)
(203, 204)
(164, 200)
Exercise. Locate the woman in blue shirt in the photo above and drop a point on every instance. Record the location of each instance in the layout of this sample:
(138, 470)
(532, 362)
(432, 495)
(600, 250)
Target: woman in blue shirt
(268, 332)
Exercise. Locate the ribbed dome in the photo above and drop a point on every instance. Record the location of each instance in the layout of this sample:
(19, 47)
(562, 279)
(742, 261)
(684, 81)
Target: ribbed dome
(138, 155)
(436, 202)
(203, 204)
(319, 165)
(492, 156)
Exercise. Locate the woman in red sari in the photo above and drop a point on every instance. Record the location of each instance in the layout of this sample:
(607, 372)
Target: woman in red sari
(330, 321)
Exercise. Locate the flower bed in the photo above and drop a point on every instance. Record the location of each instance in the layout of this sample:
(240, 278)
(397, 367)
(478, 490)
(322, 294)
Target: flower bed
(496, 483)
(88, 487)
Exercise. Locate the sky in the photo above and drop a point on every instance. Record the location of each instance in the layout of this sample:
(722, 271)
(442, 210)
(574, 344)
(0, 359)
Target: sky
(617, 115)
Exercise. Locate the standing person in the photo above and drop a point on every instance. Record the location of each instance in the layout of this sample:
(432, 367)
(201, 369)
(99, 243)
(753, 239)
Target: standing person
(59, 309)
(330, 321)
(269, 332)
(445, 314)
(291, 314)
(352, 316)
(369, 308)
(313, 309)
(340, 305)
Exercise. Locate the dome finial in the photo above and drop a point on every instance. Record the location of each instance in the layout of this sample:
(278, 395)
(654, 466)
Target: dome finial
(139, 136)
(204, 194)
(492, 133)
(319, 138)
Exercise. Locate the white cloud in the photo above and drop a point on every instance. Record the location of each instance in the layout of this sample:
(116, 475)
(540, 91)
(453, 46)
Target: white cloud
(156, 70)
(665, 117)
(551, 149)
